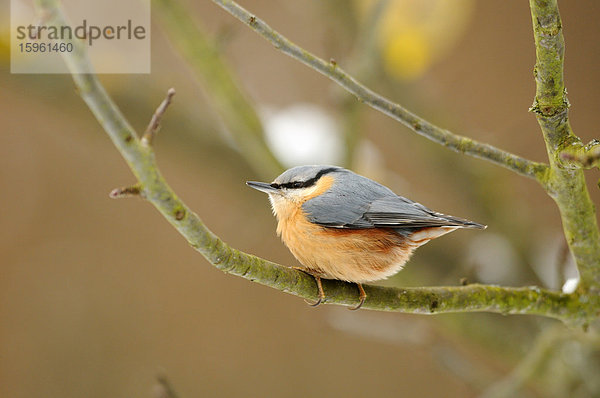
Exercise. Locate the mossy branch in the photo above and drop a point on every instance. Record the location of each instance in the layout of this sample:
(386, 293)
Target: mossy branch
(419, 125)
(564, 183)
(569, 308)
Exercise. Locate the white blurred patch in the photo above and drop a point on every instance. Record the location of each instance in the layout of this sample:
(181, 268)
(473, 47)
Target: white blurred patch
(570, 285)
(553, 263)
(303, 134)
(493, 259)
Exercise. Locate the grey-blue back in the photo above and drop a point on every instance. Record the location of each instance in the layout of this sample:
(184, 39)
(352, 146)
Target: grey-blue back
(357, 202)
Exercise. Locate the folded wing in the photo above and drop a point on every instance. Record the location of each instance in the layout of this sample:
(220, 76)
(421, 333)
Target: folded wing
(357, 202)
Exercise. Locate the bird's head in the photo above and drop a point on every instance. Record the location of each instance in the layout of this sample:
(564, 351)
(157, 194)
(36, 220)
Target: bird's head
(297, 185)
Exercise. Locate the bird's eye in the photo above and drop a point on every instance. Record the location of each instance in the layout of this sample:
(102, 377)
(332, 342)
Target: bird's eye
(297, 184)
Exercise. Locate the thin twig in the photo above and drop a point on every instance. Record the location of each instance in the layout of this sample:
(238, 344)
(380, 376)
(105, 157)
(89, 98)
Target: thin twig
(587, 156)
(154, 124)
(125, 192)
(419, 125)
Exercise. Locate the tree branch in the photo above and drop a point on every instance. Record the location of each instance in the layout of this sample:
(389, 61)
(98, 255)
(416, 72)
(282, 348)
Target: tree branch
(566, 185)
(444, 137)
(569, 308)
(582, 156)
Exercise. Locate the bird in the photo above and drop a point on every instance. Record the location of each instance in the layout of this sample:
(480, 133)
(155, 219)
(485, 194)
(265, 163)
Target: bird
(341, 225)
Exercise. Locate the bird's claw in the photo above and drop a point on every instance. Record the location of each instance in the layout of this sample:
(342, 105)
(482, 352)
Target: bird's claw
(316, 303)
(319, 287)
(362, 297)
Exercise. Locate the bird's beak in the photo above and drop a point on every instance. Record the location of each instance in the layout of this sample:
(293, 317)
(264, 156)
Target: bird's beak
(262, 186)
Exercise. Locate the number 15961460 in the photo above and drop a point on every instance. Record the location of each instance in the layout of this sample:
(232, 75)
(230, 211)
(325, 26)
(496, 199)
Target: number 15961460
(46, 47)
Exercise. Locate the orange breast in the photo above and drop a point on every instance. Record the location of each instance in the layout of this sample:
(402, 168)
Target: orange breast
(352, 255)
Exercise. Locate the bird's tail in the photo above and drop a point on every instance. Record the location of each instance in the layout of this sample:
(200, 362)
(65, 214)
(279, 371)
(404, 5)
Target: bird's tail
(461, 222)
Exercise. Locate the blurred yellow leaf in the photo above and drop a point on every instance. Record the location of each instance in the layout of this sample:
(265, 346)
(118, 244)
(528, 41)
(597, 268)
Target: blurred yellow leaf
(407, 55)
(412, 35)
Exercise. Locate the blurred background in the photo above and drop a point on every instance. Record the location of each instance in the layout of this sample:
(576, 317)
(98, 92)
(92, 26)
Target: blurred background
(99, 296)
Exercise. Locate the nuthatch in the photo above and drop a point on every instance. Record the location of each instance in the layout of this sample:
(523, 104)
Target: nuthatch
(340, 225)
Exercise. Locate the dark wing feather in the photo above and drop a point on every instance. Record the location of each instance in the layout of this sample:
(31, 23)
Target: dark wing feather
(357, 202)
(401, 212)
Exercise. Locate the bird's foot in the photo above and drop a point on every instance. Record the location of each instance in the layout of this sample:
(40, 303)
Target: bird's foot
(362, 296)
(319, 287)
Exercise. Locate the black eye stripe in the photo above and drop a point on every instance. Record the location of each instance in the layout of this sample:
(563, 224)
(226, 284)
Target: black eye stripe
(304, 184)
